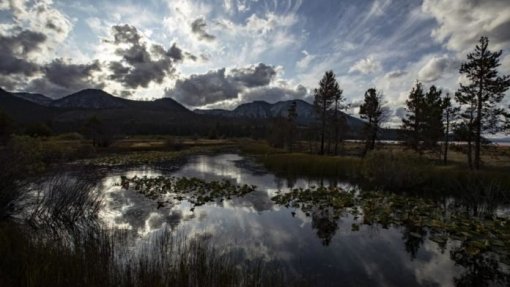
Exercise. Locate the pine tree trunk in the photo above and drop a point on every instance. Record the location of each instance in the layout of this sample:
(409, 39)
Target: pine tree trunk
(478, 128)
(469, 155)
(374, 137)
(323, 126)
(336, 126)
(446, 139)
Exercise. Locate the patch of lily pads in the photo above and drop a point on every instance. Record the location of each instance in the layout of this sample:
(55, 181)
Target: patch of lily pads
(145, 157)
(138, 158)
(442, 221)
(194, 190)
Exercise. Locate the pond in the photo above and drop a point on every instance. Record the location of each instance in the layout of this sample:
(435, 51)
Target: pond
(329, 240)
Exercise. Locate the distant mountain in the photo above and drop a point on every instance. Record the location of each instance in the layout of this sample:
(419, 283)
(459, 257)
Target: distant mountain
(159, 116)
(90, 99)
(34, 98)
(24, 111)
(264, 110)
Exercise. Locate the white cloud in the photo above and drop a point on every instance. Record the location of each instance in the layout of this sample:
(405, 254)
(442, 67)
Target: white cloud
(305, 61)
(463, 22)
(366, 66)
(41, 17)
(378, 8)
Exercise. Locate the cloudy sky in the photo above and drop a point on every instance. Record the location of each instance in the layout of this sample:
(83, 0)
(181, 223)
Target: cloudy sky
(217, 54)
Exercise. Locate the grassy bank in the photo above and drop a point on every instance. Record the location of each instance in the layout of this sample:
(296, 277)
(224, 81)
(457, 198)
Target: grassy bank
(390, 169)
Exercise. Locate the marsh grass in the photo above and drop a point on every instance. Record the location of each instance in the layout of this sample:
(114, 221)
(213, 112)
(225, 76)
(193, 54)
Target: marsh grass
(133, 158)
(63, 201)
(59, 241)
(394, 170)
(102, 258)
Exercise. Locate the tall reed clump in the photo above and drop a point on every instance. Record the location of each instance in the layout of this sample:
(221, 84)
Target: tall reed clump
(114, 259)
(392, 170)
(308, 165)
(60, 241)
(63, 201)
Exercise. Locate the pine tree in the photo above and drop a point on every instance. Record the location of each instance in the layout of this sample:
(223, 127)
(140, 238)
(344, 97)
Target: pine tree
(372, 111)
(413, 121)
(292, 129)
(464, 130)
(483, 94)
(324, 98)
(338, 117)
(432, 129)
(5, 126)
(450, 113)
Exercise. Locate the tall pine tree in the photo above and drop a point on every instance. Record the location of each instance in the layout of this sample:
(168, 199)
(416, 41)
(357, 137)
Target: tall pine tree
(372, 111)
(324, 98)
(482, 95)
(432, 130)
(413, 122)
(450, 114)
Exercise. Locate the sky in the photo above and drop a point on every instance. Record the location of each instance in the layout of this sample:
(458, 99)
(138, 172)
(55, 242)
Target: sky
(219, 54)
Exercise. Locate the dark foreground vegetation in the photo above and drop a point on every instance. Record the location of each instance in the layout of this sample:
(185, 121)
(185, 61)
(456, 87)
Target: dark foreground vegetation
(45, 225)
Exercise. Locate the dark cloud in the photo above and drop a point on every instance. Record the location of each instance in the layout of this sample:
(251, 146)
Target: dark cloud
(198, 28)
(14, 52)
(140, 65)
(259, 75)
(436, 67)
(198, 90)
(400, 112)
(72, 76)
(274, 94)
(396, 74)
(216, 86)
(61, 78)
(125, 34)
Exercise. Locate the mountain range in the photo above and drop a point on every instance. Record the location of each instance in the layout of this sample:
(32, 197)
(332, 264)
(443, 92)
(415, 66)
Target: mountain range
(160, 114)
(263, 110)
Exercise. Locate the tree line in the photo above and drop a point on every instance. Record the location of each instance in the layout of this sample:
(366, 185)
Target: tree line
(474, 110)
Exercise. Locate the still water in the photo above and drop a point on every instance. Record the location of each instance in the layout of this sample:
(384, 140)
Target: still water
(315, 246)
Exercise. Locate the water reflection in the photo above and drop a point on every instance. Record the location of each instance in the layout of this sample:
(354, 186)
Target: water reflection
(327, 241)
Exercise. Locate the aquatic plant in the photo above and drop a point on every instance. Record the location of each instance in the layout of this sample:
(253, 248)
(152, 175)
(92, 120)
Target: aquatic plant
(103, 258)
(193, 190)
(442, 221)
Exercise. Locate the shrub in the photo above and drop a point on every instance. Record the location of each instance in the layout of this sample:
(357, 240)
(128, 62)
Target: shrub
(174, 143)
(395, 170)
(70, 137)
(38, 130)
(24, 155)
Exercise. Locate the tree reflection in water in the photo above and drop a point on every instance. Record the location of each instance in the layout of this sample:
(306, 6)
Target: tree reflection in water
(481, 242)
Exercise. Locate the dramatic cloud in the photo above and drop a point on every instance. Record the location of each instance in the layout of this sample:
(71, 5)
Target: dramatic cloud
(274, 94)
(54, 47)
(198, 90)
(15, 51)
(218, 85)
(125, 34)
(198, 28)
(366, 66)
(40, 17)
(61, 78)
(259, 75)
(140, 65)
(71, 76)
(463, 22)
(436, 67)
